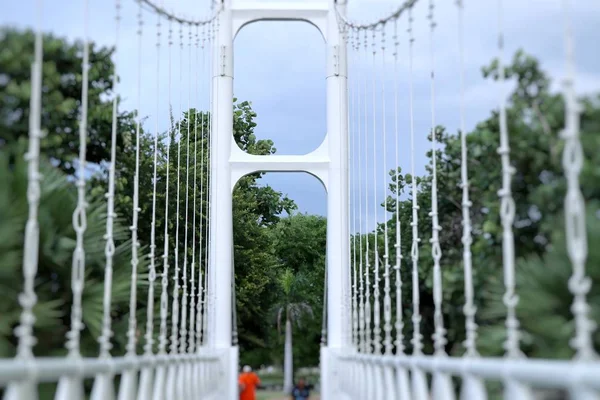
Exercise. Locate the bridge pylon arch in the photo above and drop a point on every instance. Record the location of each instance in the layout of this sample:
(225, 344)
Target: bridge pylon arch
(329, 163)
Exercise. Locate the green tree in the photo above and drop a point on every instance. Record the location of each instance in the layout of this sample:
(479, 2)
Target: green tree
(545, 302)
(290, 310)
(256, 207)
(61, 102)
(300, 244)
(535, 117)
(56, 245)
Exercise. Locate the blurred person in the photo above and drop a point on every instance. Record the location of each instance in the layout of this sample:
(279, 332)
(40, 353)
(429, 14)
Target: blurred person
(301, 391)
(248, 381)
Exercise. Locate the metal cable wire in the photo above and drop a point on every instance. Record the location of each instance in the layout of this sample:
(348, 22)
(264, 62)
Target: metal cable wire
(109, 249)
(185, 21)
(346, 23)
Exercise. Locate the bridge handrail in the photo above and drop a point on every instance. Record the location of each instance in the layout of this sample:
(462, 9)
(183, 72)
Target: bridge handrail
(50, 369)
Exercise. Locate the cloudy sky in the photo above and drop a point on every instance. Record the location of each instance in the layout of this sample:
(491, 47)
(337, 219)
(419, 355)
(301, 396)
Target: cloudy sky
(280, 67)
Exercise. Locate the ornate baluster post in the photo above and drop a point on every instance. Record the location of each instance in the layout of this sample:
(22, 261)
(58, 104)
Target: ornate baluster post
(419, 381)
(402, 379)
(27, 388)
(70, 387)
(575, 219)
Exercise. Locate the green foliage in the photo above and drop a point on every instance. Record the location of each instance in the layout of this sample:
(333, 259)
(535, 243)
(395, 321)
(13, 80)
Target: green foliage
(280, 261)
(256, 212)
(61, 102)
(256, 208)
(300, 247)
(295, 277)
(544, 307)
(292, 306)
(57, 242)
(535, 118)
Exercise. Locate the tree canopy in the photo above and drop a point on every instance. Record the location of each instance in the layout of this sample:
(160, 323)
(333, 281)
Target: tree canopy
(535, 117)
(256, 207)
(271, 239)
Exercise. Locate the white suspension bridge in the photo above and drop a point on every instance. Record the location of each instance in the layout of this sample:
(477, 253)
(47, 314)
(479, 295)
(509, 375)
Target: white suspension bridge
(363, 354)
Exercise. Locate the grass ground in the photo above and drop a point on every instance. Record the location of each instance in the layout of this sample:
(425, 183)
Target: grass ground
(260, 395)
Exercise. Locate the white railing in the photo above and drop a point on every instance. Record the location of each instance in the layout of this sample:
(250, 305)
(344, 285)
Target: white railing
(189, 368)
(377, 365)
(203, 375)
(392, 372)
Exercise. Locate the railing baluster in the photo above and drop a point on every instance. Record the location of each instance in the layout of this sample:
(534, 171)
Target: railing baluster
(147, 374)
(402, 379)
(160, 379)
(103, 388)
(362, 335)
(513, 389)
(387, 371)
(184, 367)
(27, 388)
(369, 386)
(442, 388)
(377, 345)
(418, 378)
(70, 387)
(472, 387)
(128, 386)
(575, 217)
(192, 332)
(174, 386)
(352, 196)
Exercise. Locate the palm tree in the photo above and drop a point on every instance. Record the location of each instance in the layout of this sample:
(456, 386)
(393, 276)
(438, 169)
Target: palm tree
(293, 307)
(53, 279)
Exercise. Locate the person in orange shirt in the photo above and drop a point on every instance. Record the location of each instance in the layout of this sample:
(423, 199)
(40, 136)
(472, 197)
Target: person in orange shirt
(248, 381)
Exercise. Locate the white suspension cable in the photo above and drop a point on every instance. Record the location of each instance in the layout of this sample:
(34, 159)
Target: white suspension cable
(376, 301)
(399, 322)
(212, 294)
(207, 293)
(152, 269)
(346, 287)
(146, 376)
(368, 341)
(345, 23)
(158, 9)
(234, 335)
(175, 309)
(442, 387)
(575, 215)
(132, 328)
(416, 317)
(199, 302)
(28, 298)
(324, 319)
(79, 215)
(507, 211)
(192, 331)
(352, 188)
(387, 299)
(109, 248)
(164, 298)
(184, 296)
(469, 307)
(439, 337)
(361, 311)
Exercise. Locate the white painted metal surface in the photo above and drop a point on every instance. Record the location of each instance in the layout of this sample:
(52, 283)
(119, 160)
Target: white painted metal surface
(357, 362)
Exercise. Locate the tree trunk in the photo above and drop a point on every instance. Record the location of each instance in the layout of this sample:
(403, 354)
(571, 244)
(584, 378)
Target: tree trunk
(288, 366)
